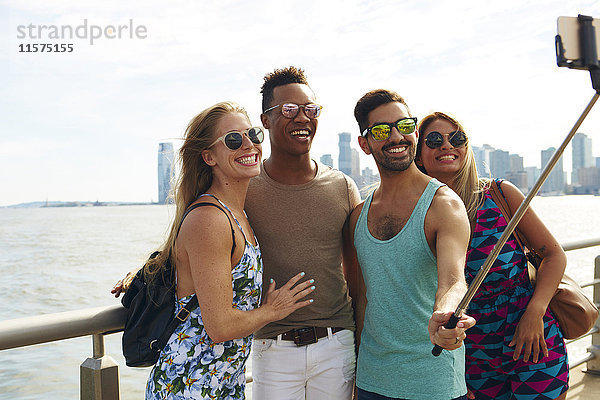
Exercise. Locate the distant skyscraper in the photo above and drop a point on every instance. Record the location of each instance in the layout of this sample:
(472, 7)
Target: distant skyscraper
(482, 159)
(519, 179)
(516, 174)
(368, 178)
(499, 163)
(556, 180)
(533, 173)
(355, 163)
(345, 157)
(582, 155)
(589, 178)
(516, 163)
(165, 170)
(327, 160)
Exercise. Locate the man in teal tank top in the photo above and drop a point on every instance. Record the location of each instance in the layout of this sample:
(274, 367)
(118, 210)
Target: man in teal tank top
(410, 238)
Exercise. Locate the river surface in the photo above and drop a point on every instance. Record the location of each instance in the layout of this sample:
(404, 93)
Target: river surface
(62, 259)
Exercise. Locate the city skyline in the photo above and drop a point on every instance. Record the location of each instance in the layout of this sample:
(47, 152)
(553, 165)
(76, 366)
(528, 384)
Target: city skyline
(85, 124)
(498, 163)
(368, 175)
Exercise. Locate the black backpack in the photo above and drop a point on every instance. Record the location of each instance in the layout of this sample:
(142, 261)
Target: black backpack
(150, 307)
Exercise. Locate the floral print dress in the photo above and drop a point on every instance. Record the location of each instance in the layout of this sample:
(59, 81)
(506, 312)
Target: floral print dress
(192, 366)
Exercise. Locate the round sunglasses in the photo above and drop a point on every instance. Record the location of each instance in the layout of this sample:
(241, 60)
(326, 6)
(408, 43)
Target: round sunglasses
(435, 139)
(382, 130)
(234, 139)
(290, 110)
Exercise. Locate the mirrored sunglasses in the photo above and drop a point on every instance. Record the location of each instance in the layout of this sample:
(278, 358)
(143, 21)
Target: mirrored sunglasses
(382, 130)
(435, 139)
(290, 110)
(234, 139)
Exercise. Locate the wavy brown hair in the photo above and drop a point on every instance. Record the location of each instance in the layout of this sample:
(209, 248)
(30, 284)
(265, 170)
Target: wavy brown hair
(466, 183)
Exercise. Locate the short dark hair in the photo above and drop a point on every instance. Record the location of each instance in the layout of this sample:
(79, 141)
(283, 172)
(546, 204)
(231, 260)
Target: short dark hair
(370, 101)
(280, 77)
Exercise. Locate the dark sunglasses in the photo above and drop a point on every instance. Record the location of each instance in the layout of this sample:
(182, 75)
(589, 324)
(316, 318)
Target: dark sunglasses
(234, 139)
(382, 130)
(435, 139)
(290, 110)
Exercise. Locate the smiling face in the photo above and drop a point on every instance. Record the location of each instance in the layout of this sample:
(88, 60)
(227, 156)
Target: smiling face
(397, 152)
(240, 163)
(292, 136)
(444, 162)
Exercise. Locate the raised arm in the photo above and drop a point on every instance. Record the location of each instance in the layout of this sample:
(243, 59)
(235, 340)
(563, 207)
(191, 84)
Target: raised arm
(449, 225)
(451, 243)
(529, 335)
(204, 244)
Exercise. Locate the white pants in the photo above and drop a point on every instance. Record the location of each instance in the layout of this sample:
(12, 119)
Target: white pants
(323, 370)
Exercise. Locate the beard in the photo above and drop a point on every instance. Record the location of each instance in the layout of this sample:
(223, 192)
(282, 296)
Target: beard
(390, 163)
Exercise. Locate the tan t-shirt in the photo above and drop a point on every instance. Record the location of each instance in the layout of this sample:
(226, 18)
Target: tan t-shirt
(299, 228)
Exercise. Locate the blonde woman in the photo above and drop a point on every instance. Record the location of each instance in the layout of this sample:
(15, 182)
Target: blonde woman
(217, 257)
(516, 350)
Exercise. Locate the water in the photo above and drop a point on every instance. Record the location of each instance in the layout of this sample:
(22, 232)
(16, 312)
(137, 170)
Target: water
(62, 259)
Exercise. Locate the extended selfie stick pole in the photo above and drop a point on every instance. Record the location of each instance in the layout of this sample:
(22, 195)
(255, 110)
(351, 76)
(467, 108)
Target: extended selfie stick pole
(478, 280)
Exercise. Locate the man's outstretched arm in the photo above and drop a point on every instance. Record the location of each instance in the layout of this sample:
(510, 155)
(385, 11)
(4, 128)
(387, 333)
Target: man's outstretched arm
(452, 234)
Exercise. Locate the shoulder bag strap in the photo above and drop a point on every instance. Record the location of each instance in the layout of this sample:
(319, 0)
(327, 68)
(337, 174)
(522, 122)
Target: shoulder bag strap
(500, 200)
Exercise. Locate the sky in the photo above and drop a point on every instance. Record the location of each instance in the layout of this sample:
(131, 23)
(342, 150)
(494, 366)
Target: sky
(85, 125)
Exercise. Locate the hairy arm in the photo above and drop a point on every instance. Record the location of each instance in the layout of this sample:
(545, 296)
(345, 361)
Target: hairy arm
(204, 244)
(451, 243)
(450, 227)
(529, 335)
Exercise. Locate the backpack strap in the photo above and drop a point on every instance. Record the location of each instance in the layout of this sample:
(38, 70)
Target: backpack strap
(192, 304)
(193, 207)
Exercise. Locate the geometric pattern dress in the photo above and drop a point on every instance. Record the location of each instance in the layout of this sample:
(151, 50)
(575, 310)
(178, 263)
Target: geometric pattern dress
(192, 366)
(498, 306)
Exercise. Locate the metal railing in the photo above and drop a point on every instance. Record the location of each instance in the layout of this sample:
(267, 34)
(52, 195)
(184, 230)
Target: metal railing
(99, 374)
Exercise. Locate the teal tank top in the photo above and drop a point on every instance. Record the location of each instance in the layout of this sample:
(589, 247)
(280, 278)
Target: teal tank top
(400, 276)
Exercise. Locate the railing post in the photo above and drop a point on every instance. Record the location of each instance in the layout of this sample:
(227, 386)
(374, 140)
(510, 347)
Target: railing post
(593, 366)
(99, 375)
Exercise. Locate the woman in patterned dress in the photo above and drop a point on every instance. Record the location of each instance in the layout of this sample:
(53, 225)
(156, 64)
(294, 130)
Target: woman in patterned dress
(206, 355)
(516, 350)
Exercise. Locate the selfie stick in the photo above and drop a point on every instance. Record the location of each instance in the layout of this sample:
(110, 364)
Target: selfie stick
(478, 280)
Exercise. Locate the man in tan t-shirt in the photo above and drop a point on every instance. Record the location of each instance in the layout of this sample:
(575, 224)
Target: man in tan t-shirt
(298, 209)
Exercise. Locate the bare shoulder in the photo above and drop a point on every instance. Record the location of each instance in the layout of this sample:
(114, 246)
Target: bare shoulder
(446, 223)
(447, 211)
(205, 223)
(512, 194)
(446, 200)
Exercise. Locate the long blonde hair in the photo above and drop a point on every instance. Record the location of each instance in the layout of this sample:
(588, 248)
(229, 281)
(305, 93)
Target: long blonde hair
(195, 175)
(466, 183)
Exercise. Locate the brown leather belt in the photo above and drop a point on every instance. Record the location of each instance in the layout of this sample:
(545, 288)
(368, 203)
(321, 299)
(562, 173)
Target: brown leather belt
(302, 336)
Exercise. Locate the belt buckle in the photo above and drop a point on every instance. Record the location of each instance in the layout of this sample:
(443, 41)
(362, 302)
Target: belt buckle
(305, 336)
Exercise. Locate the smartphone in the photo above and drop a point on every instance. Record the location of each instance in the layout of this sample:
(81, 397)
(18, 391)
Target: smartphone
(568, 40)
